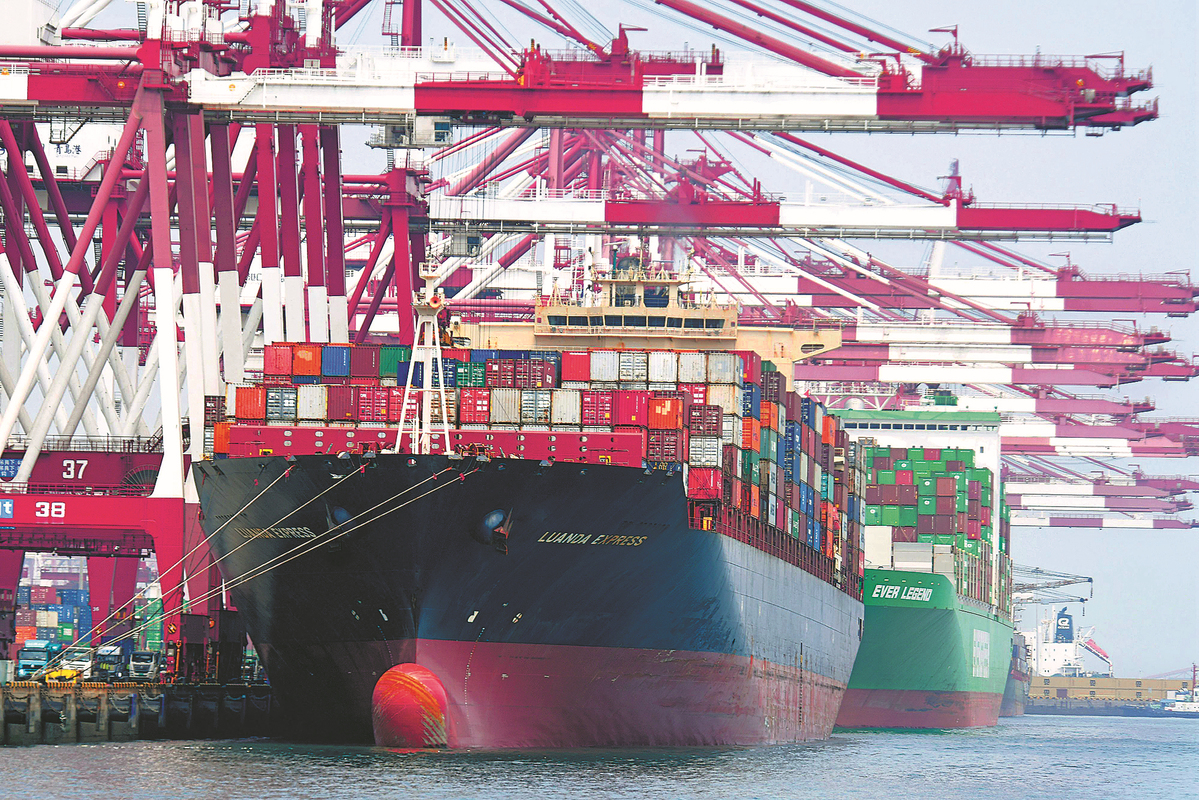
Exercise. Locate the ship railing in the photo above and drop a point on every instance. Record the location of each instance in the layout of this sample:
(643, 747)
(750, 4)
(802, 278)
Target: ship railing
(101, 490)
(93, 444)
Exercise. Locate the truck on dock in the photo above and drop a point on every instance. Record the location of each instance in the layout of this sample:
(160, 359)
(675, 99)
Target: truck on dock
(34, 656)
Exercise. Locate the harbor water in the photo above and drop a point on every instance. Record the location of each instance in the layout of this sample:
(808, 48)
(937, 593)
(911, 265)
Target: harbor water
(1099, 758)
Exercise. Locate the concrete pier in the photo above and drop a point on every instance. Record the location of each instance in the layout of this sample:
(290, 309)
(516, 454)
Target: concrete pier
(62, 713)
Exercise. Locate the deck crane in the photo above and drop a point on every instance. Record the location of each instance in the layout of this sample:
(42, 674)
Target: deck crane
(1036, 586)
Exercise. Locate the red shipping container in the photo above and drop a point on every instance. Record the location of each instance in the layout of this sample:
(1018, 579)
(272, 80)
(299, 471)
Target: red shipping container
(703, 483)
(500, 373)
(752, 362)
(364, 361)
(395, 400)
(474, 406)
(597, 407)
(960, 521)
(43, 595)
(534, 374)
(371, 404)
(730, 457)
(986, 515)
(905, 477)
(250, 402)
(630, 408)
(455, 354)
(906, 534)
(306, 359)
(704, 420)
(667, 445)
(907, 495)
(665, 413)
(697, 391)
(973, 529)
(780, 514)
(276, 359)
(947, 487)
(341, 402)
(576, 365)
(932, 454)
(947, 505)
(974, 490)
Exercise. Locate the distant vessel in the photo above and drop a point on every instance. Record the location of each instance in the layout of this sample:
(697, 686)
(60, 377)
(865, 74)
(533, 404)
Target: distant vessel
(1016, 690)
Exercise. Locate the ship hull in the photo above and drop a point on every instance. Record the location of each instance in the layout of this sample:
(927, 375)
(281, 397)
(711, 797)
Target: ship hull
(927, 661)
(608, 622)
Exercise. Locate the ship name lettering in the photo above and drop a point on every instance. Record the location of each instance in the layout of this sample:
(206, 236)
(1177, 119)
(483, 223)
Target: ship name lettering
(564, 537)
(626, 541)
(914, 593)
(277, 533)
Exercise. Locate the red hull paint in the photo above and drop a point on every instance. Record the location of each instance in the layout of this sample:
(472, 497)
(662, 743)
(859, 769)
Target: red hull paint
(895, 708)
(525, 695)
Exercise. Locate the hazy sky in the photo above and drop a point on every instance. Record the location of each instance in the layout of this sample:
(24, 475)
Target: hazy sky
(1146, 608)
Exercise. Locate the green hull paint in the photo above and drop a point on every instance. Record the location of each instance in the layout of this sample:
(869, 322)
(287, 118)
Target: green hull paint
(918, 636)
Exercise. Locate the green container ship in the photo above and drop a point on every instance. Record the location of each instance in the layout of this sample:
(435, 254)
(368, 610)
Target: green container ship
(937, 635)
(930, 658)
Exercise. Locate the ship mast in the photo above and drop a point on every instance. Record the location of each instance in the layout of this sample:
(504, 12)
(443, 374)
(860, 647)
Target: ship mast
(422, 429)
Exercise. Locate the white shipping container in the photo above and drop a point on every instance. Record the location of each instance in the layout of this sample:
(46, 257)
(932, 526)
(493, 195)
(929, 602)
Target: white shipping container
(605, 365)
(693, 367)
(773, 478)
(876, 545)
(535, 406)
(772, 509)
(312, 401)
(724, 368)
(704, 451)
(727, 396)
(633, 365)
(597, 429)
(730, 429)
(47, 619)
(632, 386)
(913, 556)
(566, 407)
(231, 400)
(664, 366)
(663, 386)
(505, 406)
(583, 385)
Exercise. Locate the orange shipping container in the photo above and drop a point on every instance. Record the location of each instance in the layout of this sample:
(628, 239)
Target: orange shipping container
(770, 416)
(751, 434)
(220, 437)
(830, 430)
(250, 402)
(755, 502)
(666, 413)
(306, 359)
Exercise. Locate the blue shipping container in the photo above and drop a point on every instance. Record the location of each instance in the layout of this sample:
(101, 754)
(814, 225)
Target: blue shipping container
(450, 370)
(335, 361)
(299, 380)
(514, 355)
(418, 374)
(811, 533)
(481, 356)
(23, 596)
(751, 401)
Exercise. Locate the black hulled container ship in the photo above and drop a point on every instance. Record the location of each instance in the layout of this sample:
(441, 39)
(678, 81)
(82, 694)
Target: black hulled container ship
(553, 559)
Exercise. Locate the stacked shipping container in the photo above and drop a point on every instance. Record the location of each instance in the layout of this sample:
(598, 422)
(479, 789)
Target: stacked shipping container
(759, 462)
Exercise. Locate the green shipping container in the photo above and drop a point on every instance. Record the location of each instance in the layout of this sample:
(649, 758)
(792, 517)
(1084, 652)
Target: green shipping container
(907, 516)
(891, 516)
(926, 505)
(886, 477)
(390, 357)
(472, 375)
(794, 524)
(973, 547)
(874, 515)
(926, 487)
(66, 633)
(903, 464)
(963, 503)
